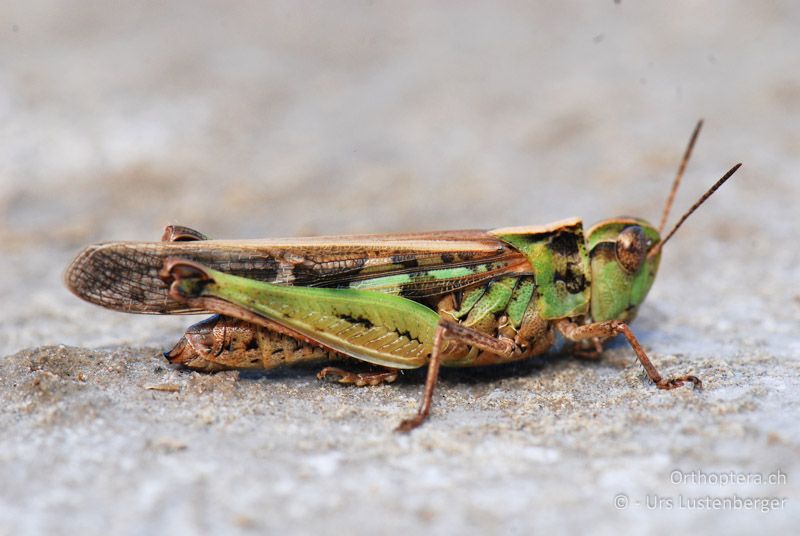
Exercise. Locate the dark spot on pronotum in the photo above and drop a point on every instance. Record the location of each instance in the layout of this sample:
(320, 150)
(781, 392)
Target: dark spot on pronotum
(447, 258)
(576, 283)
(564, 244)
(573, 278)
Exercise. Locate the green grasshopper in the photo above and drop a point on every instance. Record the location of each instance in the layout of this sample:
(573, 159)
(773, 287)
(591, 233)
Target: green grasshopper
(397, 301)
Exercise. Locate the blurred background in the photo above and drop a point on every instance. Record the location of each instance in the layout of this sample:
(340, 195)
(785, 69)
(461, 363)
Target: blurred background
(264, 119)
(287, 118)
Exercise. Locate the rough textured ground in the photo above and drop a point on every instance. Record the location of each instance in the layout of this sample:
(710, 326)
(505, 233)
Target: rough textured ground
(315, 118)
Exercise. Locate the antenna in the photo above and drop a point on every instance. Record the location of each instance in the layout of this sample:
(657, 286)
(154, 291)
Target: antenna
(686, 155)
(699, 202)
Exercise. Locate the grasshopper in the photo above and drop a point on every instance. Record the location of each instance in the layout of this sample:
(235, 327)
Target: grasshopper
(396, 301)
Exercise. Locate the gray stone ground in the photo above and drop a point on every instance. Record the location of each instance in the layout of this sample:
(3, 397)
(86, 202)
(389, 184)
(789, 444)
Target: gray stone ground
(316, 118)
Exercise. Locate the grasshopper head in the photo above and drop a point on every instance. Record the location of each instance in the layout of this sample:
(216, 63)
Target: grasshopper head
(622, 269)
(624, 254)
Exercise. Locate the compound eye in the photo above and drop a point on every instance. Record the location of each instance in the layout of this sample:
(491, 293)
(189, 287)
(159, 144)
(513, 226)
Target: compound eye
(631, 248)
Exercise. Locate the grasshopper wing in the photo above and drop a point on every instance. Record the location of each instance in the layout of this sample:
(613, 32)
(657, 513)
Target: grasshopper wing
(125, 275)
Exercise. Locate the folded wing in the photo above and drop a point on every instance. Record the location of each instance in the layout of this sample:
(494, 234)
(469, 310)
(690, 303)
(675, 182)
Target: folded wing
(124, 275)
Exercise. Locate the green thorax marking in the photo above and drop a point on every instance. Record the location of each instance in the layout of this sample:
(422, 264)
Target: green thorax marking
(510, 295)
(557, 254)
(469, 300)
(520, 299)
(426, 281)
(495, 300)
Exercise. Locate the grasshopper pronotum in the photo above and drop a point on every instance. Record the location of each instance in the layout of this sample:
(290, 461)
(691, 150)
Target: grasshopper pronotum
(398, 301)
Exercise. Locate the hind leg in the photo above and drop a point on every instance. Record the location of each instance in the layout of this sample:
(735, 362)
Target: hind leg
(453, 331)
(180, 233)
(222, 342)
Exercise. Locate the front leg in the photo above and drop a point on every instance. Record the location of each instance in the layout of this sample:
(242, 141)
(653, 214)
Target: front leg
(611, 328)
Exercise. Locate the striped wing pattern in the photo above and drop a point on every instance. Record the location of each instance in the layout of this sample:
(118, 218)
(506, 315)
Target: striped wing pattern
(124, 275)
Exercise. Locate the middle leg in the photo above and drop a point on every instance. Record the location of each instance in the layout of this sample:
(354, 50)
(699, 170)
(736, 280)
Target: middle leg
(359, 379)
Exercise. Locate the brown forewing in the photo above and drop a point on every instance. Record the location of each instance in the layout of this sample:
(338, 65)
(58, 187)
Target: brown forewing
(124, 275)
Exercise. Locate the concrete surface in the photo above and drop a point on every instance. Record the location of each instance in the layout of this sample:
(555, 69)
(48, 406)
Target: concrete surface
(315, 118)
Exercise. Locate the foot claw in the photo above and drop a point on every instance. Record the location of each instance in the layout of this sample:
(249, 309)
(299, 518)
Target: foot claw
(672, 383)
(409, 424)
